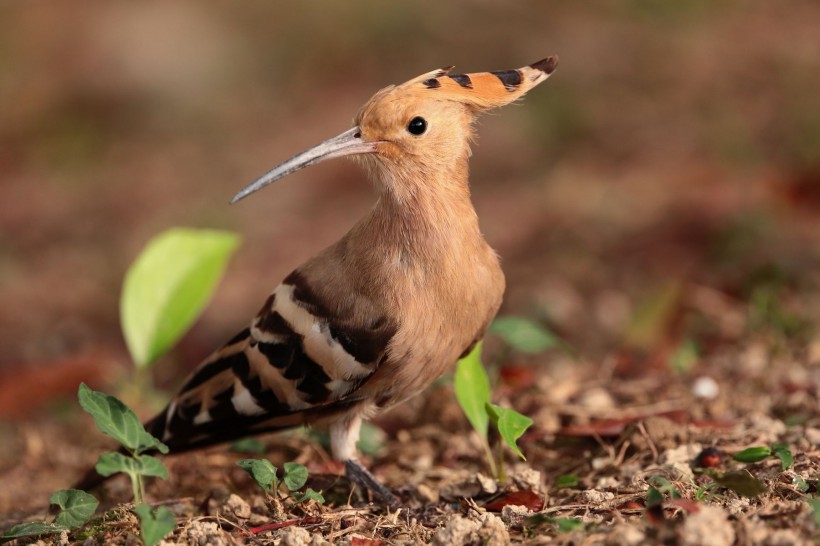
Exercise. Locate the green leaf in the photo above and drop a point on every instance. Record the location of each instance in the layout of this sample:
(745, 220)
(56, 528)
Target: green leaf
(796, 419)
(116, 420)
(371, 439)
(168, 286)
(537, 520)
(249, 445)
(702, 492)
(815, 508)
(665, 486)
(76, 506)
(473, 390)
(111, 462)
(148, 442)
(653, 497)
(511, 425)
(523, 334)
(801, 484)
(753, 454)
(154, 524)
(310, 494)
(741, 482)
(295, 477)
(567, 525)
(261, 470)
(685, 357)
(147, 465)
(784, 454)
(566, 481)
(32, 529)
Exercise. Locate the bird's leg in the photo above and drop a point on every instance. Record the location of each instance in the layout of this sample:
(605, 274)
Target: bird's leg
(343, 437)
(359, 475)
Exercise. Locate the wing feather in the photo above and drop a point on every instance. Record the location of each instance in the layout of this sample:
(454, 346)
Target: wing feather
(300, 360)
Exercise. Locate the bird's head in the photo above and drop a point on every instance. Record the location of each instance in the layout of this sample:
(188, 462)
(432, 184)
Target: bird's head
(420, 125)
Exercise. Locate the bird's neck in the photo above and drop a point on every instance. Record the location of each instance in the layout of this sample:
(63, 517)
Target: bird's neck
(419, 239)
(425, 212)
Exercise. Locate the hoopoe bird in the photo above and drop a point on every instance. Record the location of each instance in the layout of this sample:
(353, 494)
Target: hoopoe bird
(379, 315)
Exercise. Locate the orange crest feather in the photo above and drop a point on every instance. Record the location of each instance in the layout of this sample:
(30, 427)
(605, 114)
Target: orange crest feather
(483, 90)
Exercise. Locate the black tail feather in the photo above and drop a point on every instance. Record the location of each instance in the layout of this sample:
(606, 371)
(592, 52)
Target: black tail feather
(216, 433)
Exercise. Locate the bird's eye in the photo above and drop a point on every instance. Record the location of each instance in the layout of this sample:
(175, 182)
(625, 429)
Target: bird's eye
(417, 126)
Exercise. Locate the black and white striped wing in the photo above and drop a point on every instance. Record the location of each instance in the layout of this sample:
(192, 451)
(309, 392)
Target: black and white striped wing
(299, 361)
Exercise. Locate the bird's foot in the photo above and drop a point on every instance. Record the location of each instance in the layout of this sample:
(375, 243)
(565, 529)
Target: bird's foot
(359, 475)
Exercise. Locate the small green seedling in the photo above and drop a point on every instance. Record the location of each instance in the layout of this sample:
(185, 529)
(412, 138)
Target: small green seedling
(249, 446)
(155, 524)
(510, 424)
(309, 494)
(815, 511)
(564, 525)
(653, 497)
(472, 388)
(568, 525)
(662, 485)
(118, 421)
(685, 357)
(800, 483)
(759, 453)
(523, 335)
(567, 481)
(705, 491)
(262, 471)
(115, 419)
(371, 439)
(76, 508)
(740, 481)
(294, 477)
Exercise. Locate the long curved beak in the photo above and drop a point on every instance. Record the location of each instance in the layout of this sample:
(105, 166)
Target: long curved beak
(348, 143)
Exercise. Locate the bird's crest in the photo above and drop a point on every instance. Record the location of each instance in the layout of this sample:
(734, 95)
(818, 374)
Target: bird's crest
(482, 90)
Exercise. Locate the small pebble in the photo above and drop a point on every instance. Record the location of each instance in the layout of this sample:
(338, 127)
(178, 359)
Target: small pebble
(709, 526)
(705, 387)
(295, 536)
(512, 514)
(236, 506)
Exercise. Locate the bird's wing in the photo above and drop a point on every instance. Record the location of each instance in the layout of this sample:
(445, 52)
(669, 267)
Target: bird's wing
(301, 360)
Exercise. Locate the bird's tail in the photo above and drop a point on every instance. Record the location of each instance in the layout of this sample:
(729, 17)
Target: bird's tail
(221, 432)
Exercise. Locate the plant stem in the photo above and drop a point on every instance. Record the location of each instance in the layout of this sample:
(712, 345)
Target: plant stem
(143, 381)
(136, 486)
(141, 483)
(490, 461)
(502, 476)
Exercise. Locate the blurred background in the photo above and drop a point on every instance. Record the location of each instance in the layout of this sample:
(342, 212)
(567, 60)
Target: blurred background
(658, 197)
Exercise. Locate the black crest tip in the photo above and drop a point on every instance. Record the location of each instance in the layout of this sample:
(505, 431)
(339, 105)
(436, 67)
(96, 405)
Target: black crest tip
(432, 83)
(547, 66)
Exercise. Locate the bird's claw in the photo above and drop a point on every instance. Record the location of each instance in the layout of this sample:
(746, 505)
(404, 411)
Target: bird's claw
(359, 475)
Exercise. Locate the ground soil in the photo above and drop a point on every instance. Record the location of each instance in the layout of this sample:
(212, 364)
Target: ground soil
(655, 204)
